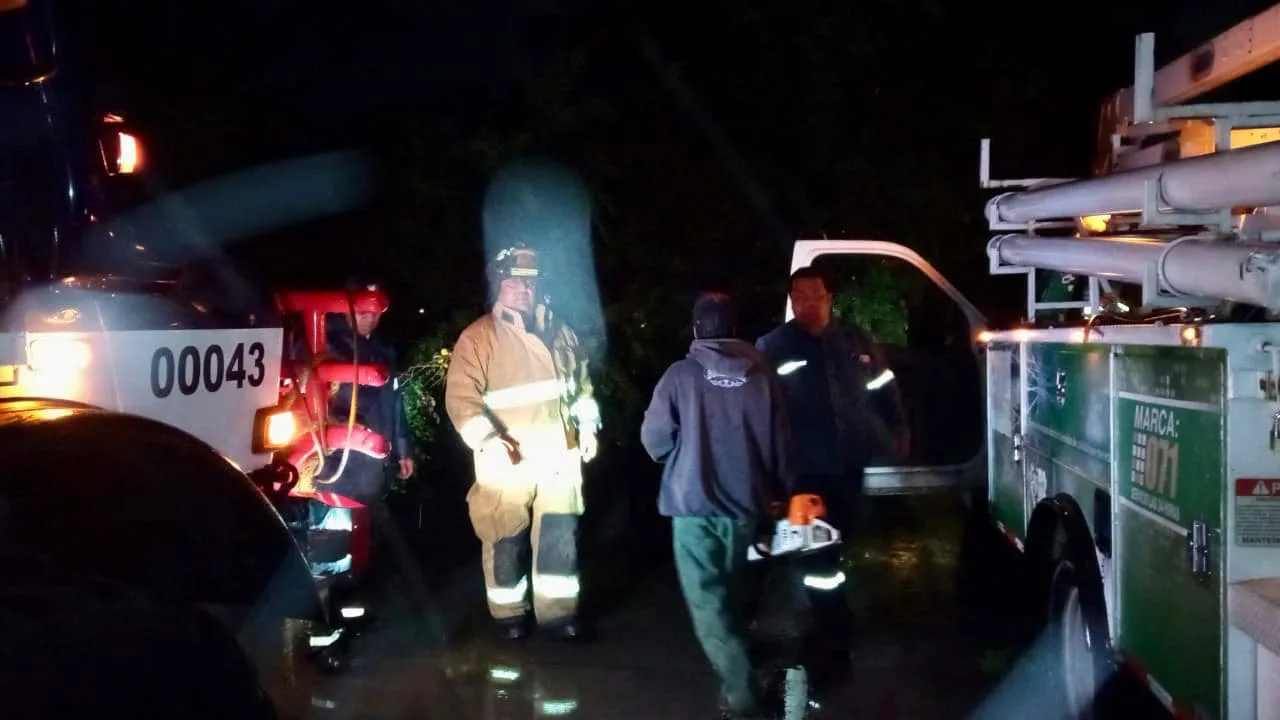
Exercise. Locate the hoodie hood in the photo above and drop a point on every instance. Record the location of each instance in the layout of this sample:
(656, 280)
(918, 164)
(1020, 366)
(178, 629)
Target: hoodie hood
(728, 357)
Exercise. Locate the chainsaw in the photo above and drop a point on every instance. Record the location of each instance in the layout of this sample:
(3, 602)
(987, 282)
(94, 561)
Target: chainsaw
(802, 531)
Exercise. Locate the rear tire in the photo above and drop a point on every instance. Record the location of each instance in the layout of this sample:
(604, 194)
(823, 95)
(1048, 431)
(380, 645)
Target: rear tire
(1078, 661)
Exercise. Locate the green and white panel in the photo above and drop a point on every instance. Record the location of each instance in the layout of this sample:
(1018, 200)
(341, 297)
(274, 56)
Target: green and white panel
(1068, 423)
(1170, 473)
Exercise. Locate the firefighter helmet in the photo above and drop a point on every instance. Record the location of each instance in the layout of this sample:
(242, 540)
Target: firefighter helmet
(368, 293)
(514, 262)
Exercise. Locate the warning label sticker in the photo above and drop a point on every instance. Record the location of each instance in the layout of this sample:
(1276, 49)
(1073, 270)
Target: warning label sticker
(1258, 511)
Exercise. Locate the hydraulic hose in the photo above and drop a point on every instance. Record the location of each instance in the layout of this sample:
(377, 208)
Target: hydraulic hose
(351, 413)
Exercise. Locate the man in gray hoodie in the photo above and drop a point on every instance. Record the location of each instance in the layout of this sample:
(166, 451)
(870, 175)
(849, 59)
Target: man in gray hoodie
(717, 422)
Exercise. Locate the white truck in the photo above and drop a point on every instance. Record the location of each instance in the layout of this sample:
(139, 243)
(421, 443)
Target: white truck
(1132, 453)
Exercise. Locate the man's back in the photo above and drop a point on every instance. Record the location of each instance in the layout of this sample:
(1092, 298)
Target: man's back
(717, 422)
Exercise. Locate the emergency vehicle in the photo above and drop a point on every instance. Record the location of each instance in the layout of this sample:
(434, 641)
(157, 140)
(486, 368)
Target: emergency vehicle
(147, 407)
(1132, 455)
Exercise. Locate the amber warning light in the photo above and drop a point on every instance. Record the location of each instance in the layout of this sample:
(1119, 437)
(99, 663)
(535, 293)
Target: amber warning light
(121, 150)
(1191, 336)
(129, 157)
(274, 428)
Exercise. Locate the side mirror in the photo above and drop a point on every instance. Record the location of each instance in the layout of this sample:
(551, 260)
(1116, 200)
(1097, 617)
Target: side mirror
(121, 150)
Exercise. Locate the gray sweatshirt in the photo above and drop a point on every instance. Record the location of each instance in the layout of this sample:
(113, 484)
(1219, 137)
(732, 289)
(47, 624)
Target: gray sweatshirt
(718, 423)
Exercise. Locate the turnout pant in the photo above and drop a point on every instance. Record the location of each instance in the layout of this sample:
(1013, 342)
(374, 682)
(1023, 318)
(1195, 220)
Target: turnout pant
(528, 509)
(711, 560)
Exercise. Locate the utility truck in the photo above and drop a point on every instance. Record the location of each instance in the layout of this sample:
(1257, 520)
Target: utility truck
(1132, 434)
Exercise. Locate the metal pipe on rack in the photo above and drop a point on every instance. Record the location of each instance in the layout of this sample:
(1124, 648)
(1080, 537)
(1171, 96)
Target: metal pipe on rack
(1239, 272)
(1248, 177)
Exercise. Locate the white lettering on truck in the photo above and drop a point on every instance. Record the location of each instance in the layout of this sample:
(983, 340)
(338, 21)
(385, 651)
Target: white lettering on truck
(1155, 420)
(1155, 461)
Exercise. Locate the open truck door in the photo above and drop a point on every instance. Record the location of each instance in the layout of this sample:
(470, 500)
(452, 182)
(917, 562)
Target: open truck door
(929, 333)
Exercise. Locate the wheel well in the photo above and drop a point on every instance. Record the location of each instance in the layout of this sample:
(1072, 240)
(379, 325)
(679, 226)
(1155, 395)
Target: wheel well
(1059, 531)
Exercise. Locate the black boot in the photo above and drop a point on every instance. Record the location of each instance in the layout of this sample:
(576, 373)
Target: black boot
(829, 667)
(569, 630)
(512, 629)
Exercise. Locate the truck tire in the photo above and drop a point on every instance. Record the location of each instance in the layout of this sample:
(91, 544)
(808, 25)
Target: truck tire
(1073, 636)
(1079, 665)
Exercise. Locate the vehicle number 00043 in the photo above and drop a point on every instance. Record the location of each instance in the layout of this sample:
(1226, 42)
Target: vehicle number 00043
(190, 368)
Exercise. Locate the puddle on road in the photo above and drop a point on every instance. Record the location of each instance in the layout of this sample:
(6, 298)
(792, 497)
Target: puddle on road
(917, 651)
(913, 657)
(904, 560)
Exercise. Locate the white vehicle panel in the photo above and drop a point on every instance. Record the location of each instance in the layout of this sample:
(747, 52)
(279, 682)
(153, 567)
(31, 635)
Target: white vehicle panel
(209, 383)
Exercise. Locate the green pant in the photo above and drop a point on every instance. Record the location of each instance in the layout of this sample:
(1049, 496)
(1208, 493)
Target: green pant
(711, 561)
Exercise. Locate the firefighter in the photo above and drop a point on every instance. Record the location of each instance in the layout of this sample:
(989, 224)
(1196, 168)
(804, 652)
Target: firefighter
(381, 409)
(518, 393)
(845, 409)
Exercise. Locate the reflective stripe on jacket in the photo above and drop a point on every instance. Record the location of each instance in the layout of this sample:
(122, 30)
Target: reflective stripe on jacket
(505, 377)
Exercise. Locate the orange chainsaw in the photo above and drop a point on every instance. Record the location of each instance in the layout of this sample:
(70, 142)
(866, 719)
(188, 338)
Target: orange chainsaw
(801, 531)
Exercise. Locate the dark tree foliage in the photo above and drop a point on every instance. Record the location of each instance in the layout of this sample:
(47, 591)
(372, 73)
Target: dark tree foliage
(711, 137)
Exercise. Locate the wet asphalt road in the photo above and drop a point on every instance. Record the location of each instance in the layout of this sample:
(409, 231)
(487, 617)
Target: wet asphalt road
(924, 647)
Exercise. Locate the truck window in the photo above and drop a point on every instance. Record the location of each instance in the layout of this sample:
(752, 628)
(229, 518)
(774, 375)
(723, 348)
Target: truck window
(929, 346)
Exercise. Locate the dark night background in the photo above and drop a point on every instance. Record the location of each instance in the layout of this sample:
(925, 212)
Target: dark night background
(711, 134)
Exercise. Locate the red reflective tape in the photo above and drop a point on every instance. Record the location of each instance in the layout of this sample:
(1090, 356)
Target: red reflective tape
(1142, 674)
(1008, 534)
(1138, 669)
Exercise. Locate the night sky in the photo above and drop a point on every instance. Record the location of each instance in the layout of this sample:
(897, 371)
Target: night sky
(711, 134)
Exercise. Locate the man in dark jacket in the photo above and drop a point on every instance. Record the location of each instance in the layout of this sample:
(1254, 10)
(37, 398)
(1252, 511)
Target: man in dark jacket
(380, 409)
(717, 422)
(845, 410)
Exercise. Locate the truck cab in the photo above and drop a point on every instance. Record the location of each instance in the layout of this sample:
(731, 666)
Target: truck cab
(930, 335)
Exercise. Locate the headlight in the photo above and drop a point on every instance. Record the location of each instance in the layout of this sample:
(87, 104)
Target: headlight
(58, 354)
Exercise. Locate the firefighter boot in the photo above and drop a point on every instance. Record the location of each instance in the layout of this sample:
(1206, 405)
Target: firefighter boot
(557, 507)
(500, 517)
(516, 628)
